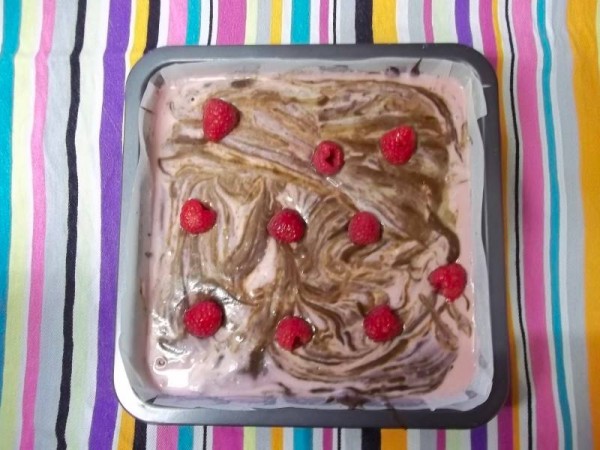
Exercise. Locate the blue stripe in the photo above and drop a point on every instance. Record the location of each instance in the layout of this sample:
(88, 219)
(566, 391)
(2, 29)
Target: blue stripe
(554, 227)
(303, 439)
(192, 35)
(186, 438)
(10, 44)
(300, 21)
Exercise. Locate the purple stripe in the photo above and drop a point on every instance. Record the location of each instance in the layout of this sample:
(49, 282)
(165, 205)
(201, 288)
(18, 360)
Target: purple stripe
(229, 438)
(463, 27)
(479, 438)
(105, 405)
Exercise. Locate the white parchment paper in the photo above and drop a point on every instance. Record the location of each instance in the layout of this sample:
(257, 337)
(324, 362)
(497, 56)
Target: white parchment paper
(134, 313)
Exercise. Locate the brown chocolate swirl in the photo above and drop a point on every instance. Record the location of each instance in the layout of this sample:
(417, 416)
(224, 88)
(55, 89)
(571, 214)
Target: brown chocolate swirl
(263, 166)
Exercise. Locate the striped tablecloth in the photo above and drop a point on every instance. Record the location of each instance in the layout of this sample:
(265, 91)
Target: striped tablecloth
(62, 71)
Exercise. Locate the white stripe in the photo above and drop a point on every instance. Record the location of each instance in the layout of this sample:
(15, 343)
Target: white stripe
(351, 439)
(286, 22)
(288, 438)
(151, 431)
(475, 25)
(215, 21)
(402, 21)
(251, 21)
(117, 431)
(209, 437)
(315, 19)
(163, 29)
(492, 434)
(413, 439)
(204, 23)
(444, 29)
(317, 439)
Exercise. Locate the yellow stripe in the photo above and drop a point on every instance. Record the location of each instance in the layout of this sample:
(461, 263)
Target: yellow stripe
(249, 438)
(276, 17)
(276, 438)
(140, 31)
(393, 440)
(384, 22)
(581, 16)
(126, 431)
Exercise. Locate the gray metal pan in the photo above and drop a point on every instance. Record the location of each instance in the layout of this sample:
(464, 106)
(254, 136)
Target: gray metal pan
(491, 225)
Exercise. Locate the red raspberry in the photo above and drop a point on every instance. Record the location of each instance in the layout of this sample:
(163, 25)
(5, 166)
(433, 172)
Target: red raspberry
(219, 118)
(382, 324)
(195, 217)
(204, 318)
(328, 158)
(449, 280)
(399, 144)
(293, 332)
(287, 226)
(364, 228)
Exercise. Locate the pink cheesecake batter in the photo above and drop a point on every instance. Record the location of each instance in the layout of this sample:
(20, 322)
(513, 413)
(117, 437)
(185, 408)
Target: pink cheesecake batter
(263, 165)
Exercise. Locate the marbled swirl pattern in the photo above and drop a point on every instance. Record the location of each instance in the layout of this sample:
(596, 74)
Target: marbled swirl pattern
(263, 166)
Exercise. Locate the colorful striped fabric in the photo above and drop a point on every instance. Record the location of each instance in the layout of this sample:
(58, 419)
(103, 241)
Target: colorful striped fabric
(62, 71)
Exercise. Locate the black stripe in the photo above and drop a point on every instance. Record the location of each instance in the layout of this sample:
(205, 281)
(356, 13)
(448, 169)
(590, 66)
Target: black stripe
(204, 433)
(517, 222)
(335, 21)
(70, 260)
(371, 439)
(339, 434)
(210, 22)
(153, 25)
(363, 21)
(139, 435)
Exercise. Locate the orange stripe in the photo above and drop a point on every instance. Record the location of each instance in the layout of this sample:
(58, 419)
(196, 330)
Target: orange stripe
(581, 18)
(126, 432)
(393, 440)
(276, 438)
(384, 22)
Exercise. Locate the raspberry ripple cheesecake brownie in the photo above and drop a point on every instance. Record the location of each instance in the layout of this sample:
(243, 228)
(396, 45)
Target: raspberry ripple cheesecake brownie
(311, 238)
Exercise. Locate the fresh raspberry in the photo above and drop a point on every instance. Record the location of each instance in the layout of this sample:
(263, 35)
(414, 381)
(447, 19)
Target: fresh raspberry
(219, 118)
(195, 217)
(287, 226)
(204, 318)
(364, 228)
(399, 144)
(293, 332)
(382, 324)
(328, 158)
(449, 280)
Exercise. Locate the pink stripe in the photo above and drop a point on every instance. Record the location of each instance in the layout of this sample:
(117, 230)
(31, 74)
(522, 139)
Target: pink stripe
(533, 222)
(36, 293)
(327, 437)
(441, 440)
(428, 20)
(324, 25)
(228, 438)
(166, 437)
(487, 32)
(177, 22)
(232, 22)
(505, 424)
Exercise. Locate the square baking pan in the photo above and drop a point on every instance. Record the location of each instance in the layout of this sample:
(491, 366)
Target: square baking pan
(142, 406)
